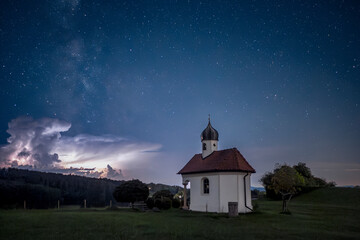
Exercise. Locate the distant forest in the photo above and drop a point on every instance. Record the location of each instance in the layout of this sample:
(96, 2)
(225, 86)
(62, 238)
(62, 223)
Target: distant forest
(44, 190)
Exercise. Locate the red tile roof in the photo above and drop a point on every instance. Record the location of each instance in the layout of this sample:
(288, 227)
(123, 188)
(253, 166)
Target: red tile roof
(228, 160)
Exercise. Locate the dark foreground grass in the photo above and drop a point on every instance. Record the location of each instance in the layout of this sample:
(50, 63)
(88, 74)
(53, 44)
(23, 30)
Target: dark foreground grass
(313, 216)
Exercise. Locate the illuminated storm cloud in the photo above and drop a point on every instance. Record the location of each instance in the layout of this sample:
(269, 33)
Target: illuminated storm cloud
(38, 144)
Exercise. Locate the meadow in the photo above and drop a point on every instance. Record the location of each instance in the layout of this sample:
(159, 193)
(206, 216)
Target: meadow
(332, 213)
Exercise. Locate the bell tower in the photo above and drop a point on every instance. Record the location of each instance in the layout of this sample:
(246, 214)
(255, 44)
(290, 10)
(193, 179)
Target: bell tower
(209, 140)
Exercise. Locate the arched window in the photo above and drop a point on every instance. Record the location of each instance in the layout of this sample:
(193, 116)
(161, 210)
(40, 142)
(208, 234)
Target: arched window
(204, 146)
(206, 187)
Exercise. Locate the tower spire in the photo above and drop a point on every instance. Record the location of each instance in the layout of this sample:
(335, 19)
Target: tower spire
(209, 139)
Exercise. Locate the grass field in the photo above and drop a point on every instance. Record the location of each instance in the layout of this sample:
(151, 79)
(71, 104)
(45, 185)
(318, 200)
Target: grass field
(332, 213)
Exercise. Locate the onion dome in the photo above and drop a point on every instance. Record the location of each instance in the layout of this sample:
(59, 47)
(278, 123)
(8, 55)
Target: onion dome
(209, 133)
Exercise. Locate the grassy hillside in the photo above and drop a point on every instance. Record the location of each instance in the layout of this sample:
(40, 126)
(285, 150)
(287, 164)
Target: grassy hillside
(349, 197)
(327, 213)
(310, 219)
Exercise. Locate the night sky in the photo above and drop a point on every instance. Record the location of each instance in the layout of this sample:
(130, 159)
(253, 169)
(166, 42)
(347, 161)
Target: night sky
(123, 89)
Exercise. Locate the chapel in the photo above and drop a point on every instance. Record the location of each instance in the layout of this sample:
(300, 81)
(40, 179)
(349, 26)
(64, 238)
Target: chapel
(217, 177)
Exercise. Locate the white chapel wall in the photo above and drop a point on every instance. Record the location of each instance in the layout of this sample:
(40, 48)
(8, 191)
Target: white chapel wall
(242, 208)
(228, 190)
(200, 201)
(224, 188)
(248, 193)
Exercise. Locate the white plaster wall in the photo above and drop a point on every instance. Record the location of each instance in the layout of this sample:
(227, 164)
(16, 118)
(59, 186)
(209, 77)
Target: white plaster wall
(241, 205)
(228, 190)
(209, 147)
(224, 187)
(248, 193)
(200, 201)
(241, 202)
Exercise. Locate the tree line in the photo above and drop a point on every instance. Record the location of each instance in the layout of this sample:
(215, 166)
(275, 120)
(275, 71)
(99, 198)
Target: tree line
(44, 190)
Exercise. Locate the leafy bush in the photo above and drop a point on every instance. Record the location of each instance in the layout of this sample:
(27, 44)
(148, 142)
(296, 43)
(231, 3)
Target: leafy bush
(166, 203)
(162, 194)
(158, 203)
(150, 202)
(163, 203)
(175, 203)
(255, 206)
(163, 199)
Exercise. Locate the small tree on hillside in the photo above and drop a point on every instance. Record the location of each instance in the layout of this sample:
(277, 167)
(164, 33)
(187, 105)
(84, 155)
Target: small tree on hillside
(266, 182)
(131, 191)
(303, 170)
(286, 181)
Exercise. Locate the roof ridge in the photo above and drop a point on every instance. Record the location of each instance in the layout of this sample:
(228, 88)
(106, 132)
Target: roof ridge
(233, 148)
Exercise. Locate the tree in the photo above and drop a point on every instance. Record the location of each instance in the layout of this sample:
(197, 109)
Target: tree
(303, 170)
(266, 182)
(286, 181)
(131, 191)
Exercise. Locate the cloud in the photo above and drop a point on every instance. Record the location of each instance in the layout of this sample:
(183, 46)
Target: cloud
(38, 144)
(98, 151)
(31, 141)
(112, 173)
(108, 172)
